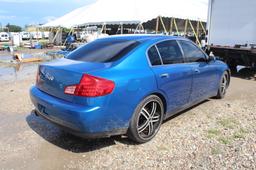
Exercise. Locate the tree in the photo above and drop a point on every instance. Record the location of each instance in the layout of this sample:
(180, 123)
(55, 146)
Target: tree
(13, 28)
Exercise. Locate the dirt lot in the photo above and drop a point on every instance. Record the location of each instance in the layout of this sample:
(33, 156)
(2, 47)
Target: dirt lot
(217, 134)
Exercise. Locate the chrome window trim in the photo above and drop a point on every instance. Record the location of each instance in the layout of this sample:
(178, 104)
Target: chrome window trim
(159, 55)
(186, 58)
(155, 44)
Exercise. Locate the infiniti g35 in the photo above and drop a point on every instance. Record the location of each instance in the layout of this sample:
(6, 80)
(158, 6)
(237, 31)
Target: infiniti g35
(126, 85)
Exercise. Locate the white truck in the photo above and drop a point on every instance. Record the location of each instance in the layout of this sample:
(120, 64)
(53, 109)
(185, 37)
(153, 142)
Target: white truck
(231, 29)
(25, 35)
(4, 36)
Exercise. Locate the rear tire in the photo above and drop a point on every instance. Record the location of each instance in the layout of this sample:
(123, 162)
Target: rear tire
(147, 119)
(223, 85)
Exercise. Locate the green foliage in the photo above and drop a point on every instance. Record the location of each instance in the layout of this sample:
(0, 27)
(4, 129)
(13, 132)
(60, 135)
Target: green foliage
(13, 28)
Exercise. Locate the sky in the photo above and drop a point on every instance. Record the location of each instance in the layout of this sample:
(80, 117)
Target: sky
(22, 12)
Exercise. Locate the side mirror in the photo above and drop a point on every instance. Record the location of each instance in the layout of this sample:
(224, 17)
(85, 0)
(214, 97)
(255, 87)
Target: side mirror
(211, 58)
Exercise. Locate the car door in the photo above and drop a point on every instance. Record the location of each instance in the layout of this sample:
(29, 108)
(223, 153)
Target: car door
(204, 72)
(174, 78)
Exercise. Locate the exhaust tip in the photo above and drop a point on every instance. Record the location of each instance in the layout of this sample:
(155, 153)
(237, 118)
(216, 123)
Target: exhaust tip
(36, 112)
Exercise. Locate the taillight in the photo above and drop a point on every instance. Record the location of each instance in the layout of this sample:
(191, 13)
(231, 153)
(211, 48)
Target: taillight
(91, 86)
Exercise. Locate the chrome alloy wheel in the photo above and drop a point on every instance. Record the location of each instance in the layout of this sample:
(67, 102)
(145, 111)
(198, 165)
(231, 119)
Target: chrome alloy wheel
(224, 84)
(149, 119)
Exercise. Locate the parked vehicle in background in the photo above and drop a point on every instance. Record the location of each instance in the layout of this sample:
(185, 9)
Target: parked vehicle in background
(89, 34)
(4, 36)
(232, 31)
(126, 85)
(93, 36)
(25, 35)
(46, 35)
(37, 35)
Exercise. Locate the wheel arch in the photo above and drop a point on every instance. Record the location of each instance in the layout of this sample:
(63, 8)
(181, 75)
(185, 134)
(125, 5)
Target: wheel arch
(163, 98)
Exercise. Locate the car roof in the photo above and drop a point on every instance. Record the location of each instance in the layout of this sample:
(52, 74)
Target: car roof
(144, 37)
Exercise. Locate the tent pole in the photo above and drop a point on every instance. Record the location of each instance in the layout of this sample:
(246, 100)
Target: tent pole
(157, 24)
(71, 30)
(203, 27)
(176, 27)
(171, 26)
(122, 28)
(142, 28)
(102, 28)
(136, 28)
(197, 28)
(56, 35)
(194, 33)
(118, 29)
(186, 27)
(162, 22)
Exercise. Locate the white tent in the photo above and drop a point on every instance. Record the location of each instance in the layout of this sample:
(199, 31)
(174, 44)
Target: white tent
(132, 11)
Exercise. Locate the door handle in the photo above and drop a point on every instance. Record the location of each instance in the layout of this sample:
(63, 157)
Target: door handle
(165, 75)
(197, 71)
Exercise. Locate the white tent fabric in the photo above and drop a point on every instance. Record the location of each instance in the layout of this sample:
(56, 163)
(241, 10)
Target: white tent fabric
(132, 11)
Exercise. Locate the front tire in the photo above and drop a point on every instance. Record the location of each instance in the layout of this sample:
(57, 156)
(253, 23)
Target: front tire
(146, 120)
(223, 85)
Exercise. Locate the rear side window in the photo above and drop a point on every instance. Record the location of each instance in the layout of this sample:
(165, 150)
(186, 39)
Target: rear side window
(192, 52)
(103, 50)
(170, 52)
(154, 56)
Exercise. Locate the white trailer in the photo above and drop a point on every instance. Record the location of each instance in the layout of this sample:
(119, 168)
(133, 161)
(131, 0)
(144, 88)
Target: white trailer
(232, 31)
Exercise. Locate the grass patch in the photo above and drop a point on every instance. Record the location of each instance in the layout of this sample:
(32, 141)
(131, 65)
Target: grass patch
(240, 134)
(228, 123)
(224, 140)
(212, 133)
(242, 130)
(216, 151)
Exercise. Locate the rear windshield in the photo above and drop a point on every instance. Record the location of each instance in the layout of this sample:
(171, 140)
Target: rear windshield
(103, 50)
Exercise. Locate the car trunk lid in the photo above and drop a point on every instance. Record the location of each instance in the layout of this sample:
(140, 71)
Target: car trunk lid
(54, 76)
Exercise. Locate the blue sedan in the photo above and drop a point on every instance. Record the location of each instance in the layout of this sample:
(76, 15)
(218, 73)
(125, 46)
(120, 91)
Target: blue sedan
(126, 85)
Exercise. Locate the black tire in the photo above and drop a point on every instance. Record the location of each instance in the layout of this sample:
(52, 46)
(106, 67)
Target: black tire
(223, 85)
(147, 118)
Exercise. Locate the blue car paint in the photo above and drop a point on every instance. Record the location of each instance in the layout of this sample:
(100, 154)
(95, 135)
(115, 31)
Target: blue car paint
(134, 79)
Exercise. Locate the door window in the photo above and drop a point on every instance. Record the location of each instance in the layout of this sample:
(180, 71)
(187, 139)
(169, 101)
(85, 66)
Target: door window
(192, 52)
(154, 56)
(170, 52)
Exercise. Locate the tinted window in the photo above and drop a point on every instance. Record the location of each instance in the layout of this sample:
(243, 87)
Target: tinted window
(154, 56)
(192, 52)
(103, 50)
(170, 52)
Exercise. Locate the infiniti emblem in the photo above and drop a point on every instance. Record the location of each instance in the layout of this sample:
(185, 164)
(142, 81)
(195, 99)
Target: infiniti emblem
(47, 75)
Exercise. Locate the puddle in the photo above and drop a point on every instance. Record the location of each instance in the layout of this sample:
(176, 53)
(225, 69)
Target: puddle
(11, 70)
(14, 72)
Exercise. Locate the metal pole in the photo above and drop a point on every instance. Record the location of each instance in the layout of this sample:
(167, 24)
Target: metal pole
(122, 28)
(186, 27)
(203, 27)
(171, 26)
(161, 19)
(194, 33)
(176, 27)
(157, 24)
(197, 28)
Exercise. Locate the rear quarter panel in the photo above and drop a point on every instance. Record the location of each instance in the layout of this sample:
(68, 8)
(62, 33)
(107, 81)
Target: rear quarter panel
(134, 80)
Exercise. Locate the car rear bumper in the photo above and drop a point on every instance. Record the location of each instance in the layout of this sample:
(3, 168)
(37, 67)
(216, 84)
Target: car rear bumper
(83, 121)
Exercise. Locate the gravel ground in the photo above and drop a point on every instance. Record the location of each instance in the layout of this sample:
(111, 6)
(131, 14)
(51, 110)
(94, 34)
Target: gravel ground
(216, 134)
